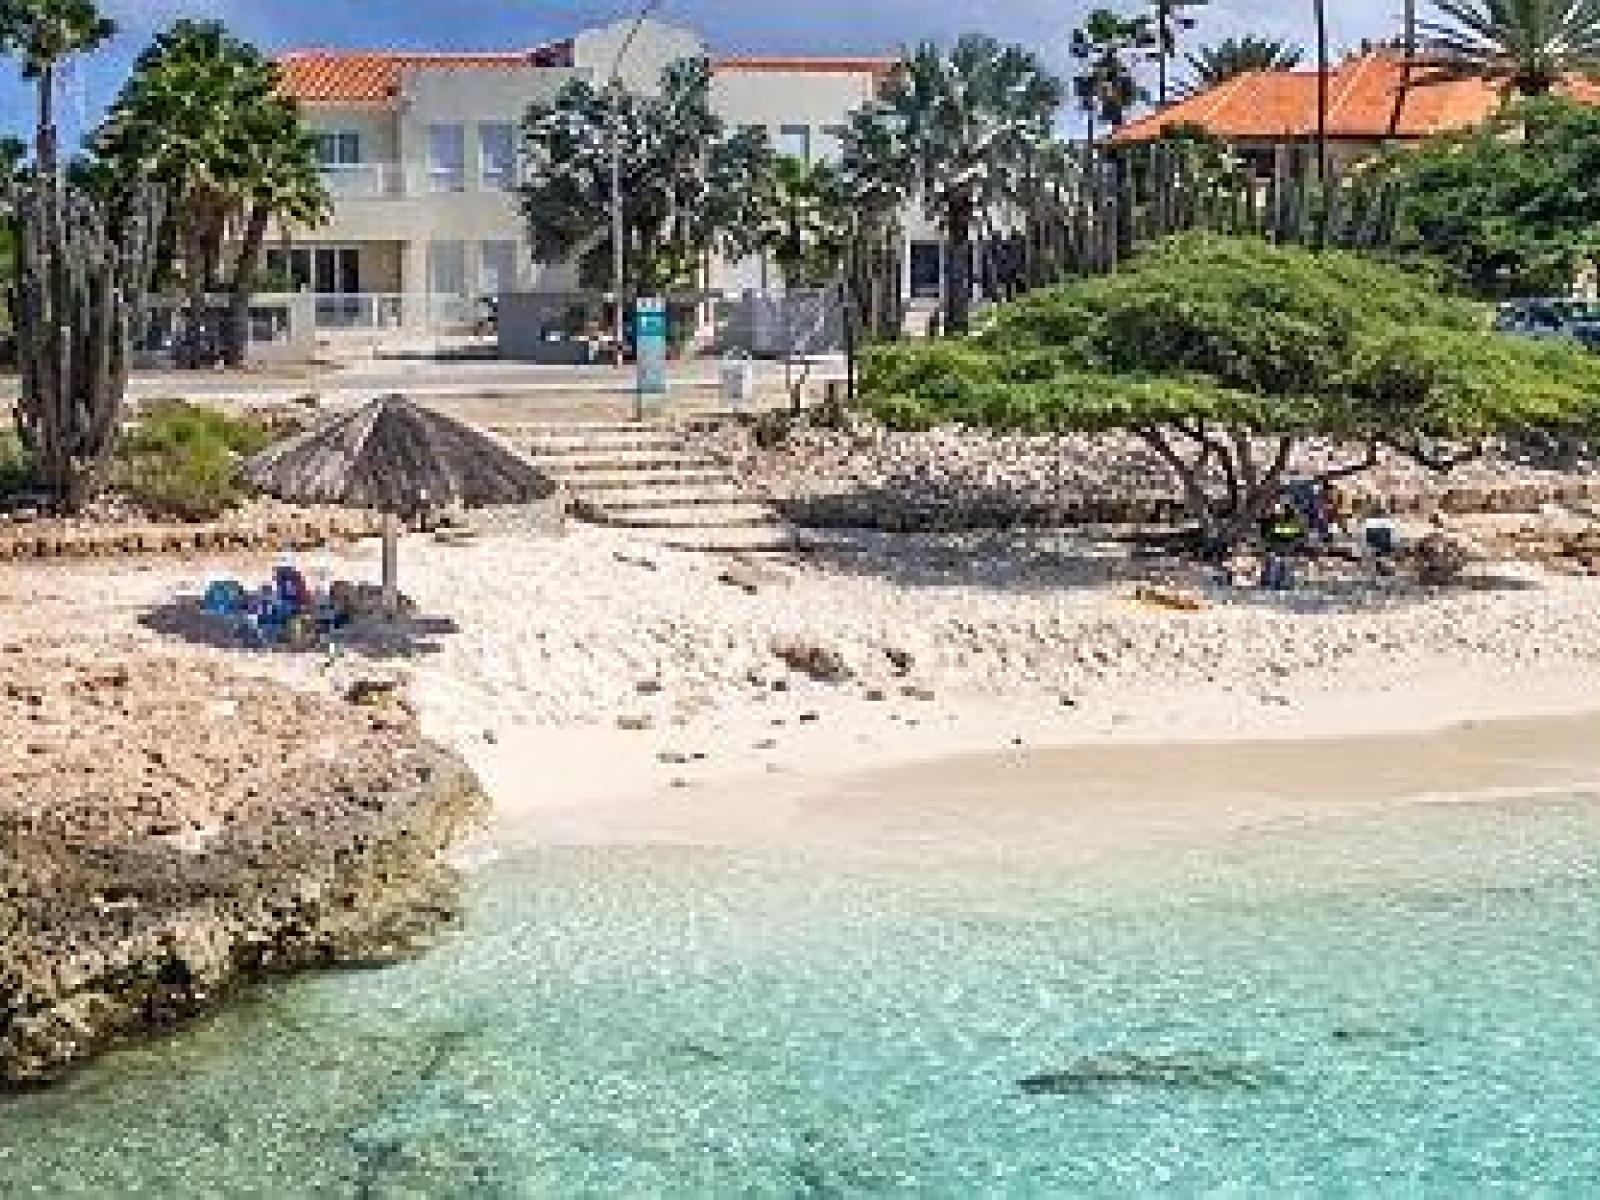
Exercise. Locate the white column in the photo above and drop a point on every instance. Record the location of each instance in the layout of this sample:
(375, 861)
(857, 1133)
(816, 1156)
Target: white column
(414, 282)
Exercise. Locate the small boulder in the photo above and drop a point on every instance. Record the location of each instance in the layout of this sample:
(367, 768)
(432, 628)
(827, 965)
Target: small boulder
(821, 663)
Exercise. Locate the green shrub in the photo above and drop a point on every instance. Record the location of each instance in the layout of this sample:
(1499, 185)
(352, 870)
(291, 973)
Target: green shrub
(181, 461)
(16, 464)
(168, 425)
(1222, 354)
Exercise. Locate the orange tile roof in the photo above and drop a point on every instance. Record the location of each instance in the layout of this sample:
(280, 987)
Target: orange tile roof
(1368, 99)
(374, 76)
(370, 76)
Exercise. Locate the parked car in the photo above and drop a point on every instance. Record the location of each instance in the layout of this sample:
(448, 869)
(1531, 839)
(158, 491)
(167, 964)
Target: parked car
(1575, 319)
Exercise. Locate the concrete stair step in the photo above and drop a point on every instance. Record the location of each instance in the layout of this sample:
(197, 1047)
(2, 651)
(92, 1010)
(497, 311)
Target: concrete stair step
(556, 447)
(617, 481)
(703, 516)
(690, 496)
(753, 539)
(614, 461)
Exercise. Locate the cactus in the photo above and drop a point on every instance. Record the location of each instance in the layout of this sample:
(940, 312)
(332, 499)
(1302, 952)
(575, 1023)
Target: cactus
(81, 275)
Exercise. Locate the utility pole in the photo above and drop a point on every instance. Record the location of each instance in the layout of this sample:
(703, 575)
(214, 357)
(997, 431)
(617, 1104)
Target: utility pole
(618, 259)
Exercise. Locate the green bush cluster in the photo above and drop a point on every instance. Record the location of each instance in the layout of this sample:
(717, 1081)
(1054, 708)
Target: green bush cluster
(1508, 208)
(1242, 334)
(182, 461)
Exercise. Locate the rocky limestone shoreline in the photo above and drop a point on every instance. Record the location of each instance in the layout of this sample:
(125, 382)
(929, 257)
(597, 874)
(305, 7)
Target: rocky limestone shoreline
(170, 831)
(953, 479)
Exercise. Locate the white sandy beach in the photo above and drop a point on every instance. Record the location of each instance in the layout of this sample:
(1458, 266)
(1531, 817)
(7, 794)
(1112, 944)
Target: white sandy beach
(604, 687)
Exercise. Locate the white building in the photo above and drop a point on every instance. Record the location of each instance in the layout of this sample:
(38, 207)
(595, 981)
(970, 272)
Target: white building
(420, 153)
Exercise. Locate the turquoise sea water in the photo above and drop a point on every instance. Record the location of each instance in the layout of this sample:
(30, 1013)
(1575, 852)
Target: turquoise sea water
(1402, 1001)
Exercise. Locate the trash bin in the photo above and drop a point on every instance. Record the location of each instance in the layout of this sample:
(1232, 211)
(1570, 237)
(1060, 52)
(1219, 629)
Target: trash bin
(738, 381)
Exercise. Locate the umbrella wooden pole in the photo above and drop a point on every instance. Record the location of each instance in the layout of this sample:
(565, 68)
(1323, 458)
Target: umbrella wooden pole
(391, 566)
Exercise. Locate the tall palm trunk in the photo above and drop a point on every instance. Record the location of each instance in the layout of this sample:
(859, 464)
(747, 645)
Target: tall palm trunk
(45, 141)
(958, 267)
(236, 332)
(1319, 10)
(1163, 17)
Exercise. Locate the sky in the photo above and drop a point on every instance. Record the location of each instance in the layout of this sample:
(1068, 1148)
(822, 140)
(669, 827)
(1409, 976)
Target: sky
(809, 26)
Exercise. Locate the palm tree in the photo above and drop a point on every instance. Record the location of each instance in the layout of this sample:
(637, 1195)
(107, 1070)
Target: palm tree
(673, 148)
(875, 172)
(1167, 22)
(1105, 87)
(1233, 57)
(1530, 44)
(201, 115)
(803, 222)
(282, 186)
(42, 34)
(967, 120)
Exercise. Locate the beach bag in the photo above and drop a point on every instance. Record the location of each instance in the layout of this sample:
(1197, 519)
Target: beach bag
(225, 598)
(294, 596)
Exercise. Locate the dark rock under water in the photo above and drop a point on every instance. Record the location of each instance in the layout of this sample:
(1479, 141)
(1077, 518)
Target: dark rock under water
(1192, 1070)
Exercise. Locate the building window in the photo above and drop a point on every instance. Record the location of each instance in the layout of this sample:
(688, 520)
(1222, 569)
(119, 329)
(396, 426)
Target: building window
(447, 158)
(497, 268)
(325, 270)
(338, 148)
(795, 141)
(447, 268)
(830, 146)
(497, 156)
(927, 270)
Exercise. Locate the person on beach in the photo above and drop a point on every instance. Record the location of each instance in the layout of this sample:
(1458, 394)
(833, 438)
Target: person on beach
(1283, 533)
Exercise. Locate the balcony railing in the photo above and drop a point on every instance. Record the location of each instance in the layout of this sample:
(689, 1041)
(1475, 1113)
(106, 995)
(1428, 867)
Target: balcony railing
(365, 181)
(374, 312)
(394, 180)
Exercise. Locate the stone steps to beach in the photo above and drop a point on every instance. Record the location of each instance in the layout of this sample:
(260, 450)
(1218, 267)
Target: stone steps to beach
(609, 480)
(562, 463)
(678, 495)
(645, 478)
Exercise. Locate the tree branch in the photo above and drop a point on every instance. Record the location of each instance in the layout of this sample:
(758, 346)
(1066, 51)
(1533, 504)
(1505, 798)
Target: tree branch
(1440, 464)
(1366, 463)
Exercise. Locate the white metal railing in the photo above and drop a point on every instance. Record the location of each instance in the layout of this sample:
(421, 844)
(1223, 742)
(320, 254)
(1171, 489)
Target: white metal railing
(360, 311)
(377, 312)
(447, 179)
(394, 180)
(361, 181)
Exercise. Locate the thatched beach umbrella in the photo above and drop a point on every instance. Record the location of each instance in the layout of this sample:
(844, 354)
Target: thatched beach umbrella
(400, 459)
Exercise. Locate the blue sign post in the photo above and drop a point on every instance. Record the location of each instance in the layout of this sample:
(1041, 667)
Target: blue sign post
(650, 349)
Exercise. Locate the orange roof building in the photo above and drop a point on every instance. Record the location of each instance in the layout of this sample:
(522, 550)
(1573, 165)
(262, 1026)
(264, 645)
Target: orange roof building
(420, 152)
(1372, 98)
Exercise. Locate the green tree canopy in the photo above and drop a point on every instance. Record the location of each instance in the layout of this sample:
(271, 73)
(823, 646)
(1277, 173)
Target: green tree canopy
(1223, 354)
(1531, 44)
(1168, 21)
(1105, 86)
(966, 123)
(42, 34)
(671, 148)
(1511, 208)
(201, 114)
(1232, 57)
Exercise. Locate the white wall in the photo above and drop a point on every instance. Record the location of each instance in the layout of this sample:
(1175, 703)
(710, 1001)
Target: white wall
(469, 96)
(773, 99)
